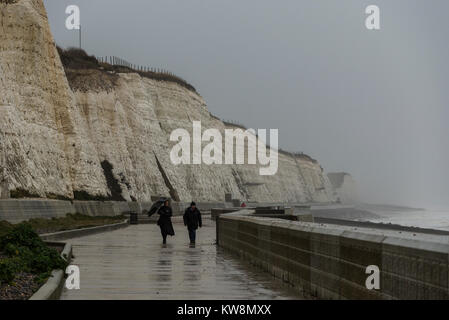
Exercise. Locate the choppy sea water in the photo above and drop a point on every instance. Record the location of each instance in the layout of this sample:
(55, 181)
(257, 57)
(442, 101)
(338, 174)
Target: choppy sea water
(426, 218)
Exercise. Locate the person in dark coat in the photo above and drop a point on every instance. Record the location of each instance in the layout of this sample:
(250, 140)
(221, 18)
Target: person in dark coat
(192, 220)
(164, 222)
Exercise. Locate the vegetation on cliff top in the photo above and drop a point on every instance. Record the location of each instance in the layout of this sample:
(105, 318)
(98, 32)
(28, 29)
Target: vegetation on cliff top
(85, 72)
(8, 1)
(299, 155)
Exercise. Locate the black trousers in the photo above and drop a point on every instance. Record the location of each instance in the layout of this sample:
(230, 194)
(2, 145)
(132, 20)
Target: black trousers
(192, 235)
(164, 236)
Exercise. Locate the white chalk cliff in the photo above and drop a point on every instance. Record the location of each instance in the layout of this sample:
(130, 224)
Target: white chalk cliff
(344, 186)
(56, 136)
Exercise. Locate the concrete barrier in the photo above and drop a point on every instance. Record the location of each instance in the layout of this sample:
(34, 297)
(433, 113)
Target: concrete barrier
(207, 206)
(379, 225)
(215, 212)
(52, 289)
(18, 210)
(330, 261)
(69, 234)
(99, 208)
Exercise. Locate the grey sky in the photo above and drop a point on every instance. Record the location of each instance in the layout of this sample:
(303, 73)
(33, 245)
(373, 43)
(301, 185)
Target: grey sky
(374, 104)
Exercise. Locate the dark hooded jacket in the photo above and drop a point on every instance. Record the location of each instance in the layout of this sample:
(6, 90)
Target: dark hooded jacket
(192, 218)
(164, 221)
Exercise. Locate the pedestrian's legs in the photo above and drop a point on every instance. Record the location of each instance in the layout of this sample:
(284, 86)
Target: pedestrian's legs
(164, 237)
(192, 235)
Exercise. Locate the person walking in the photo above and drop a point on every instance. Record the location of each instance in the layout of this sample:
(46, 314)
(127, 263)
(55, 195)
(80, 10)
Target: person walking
(192, 220)
(164, 222)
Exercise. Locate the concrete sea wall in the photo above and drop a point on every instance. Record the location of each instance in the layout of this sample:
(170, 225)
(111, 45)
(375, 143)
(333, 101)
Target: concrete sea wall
(18, 210)
(330, 261)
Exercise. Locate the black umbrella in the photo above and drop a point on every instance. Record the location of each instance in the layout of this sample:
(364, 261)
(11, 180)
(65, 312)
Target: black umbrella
(155, 207)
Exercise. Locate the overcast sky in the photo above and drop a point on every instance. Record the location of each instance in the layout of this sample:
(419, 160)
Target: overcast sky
(371, 103)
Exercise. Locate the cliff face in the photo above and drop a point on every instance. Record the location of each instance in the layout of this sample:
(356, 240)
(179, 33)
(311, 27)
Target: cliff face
(298, 179)
(130, 127)
(345, 188)
(109, 133)
(46, 152)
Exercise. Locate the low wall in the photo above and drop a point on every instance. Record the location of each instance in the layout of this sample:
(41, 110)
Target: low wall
(69, 234)
(380, 225)
(208, 206)
(204, 207)
(99, 208)
(18, 210)
(330, 261)
(52, 289)
(215, 212)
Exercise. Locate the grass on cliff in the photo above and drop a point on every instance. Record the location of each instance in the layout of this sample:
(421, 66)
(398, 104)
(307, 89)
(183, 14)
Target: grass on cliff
(79, 67)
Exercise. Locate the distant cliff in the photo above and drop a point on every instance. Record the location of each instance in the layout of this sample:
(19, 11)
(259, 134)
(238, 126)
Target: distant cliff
(345, 189)
(91, 133)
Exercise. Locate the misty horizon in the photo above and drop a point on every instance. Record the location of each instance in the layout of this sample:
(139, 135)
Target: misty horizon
(370, 103)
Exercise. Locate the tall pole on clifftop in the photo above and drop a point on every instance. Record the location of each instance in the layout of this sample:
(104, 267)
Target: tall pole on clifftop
(73, 21)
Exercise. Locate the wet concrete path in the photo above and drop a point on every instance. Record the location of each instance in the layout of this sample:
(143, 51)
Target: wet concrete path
(132, 263)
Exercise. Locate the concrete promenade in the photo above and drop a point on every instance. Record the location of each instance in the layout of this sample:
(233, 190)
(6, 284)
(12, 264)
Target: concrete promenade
(132, 263)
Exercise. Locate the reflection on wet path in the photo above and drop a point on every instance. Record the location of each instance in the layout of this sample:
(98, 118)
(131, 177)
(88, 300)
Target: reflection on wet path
(132, 263)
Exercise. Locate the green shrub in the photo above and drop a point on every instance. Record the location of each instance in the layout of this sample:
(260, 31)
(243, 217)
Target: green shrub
(75, 58)
(78, 59)
(8, 269)
(26, 252)
(5, 227)
(21, 235)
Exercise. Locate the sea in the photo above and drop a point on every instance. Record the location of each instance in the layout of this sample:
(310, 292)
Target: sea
(432, 218)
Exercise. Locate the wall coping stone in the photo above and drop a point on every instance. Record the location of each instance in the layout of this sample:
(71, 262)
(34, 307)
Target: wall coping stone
(67, 234)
